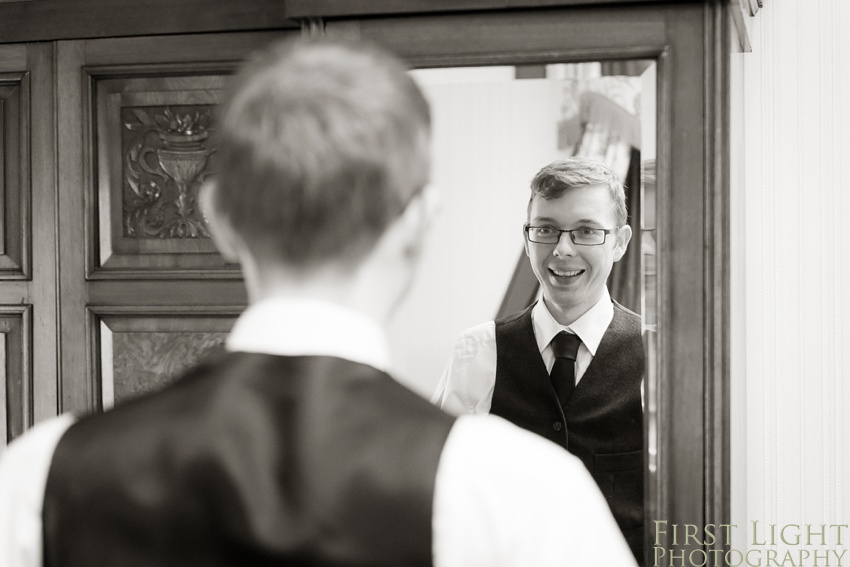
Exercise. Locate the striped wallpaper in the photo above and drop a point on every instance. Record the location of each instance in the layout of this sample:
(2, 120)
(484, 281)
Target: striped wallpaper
(791, 266)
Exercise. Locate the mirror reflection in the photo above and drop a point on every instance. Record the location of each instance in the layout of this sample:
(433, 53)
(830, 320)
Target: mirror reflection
(494, 130)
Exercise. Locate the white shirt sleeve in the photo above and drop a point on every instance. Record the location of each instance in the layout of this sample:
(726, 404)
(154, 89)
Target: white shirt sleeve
(505, 497)
(466, 385)
(23, 476)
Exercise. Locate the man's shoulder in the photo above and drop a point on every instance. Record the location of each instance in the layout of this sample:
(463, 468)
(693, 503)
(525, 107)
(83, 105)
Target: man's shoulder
(41, 438)
(241, 399)
(487, 331)
(626, 319)
(473, 338)
(523, 498)
(625, 311)
(491, 440)
(259, 379)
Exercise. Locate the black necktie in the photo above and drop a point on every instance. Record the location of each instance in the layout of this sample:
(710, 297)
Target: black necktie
(565, 348)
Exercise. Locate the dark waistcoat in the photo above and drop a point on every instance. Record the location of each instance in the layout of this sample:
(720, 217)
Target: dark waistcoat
(602, 423)
(251, 459)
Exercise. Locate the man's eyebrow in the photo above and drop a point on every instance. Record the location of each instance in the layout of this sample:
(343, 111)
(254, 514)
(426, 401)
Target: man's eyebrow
(544, 219)
(578, 222)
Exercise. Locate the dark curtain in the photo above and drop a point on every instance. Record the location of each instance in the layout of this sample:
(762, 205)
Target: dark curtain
(624, 281)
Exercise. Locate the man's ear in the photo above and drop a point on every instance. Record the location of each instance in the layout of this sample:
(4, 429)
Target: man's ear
(624, 235)
(417, 218)
(429, 205)
(222, 234)
(525, 242)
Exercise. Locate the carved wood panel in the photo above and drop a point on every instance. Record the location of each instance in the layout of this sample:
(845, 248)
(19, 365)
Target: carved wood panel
(14, 175)
(16, 393)
(152, 151)
(140, 350)
(166, 156)
(145, 362)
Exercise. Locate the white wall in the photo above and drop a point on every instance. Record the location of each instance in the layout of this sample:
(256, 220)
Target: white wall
(491, 134)
(791, 268)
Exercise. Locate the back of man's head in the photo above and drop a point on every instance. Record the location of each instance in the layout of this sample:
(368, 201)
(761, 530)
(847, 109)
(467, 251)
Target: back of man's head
(321, 144)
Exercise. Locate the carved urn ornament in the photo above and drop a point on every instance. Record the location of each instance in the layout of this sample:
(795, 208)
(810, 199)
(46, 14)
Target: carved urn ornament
(183, 157)
(178, 142)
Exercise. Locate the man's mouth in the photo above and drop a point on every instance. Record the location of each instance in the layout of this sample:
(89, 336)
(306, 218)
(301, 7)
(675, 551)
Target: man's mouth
(566, 273)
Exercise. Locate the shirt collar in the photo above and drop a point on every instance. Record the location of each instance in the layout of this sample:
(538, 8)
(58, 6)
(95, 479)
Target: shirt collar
(306, 327)
(590, 327)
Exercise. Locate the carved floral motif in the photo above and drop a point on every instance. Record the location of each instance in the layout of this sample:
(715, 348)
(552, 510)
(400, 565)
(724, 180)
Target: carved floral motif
(165, 160)
(145, 362)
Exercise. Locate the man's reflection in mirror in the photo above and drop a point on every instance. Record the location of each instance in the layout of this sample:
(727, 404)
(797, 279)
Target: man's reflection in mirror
(570, 366)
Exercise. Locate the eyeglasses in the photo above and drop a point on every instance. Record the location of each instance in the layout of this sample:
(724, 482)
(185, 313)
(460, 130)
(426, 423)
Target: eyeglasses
(583, 236)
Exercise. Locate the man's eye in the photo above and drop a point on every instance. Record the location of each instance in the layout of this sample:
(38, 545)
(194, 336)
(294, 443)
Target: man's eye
(545, 231)
(584, 231)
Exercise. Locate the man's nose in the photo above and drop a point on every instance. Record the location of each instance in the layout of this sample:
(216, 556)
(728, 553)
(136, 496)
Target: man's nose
(565, 246)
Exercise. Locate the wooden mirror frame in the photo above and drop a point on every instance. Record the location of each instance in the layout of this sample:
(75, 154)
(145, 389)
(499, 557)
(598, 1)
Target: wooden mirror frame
(690, 42)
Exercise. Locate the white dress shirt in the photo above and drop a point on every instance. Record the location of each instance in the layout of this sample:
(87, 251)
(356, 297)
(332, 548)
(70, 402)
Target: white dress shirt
(503, 496)
(467, 383)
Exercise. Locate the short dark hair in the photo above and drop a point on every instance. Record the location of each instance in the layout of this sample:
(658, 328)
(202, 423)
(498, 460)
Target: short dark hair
(321, 143)
(571, 173)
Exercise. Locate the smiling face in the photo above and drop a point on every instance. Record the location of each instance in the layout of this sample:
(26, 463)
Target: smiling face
(573, 277)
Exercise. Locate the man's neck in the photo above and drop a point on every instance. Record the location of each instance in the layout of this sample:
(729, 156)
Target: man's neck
(567, 317)
(351, 290)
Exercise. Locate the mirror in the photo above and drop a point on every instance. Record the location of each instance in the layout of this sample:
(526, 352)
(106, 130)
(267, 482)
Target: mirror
(493, 129)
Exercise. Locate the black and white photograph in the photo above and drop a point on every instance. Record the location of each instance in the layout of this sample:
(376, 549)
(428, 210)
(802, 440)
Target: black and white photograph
(472, 283)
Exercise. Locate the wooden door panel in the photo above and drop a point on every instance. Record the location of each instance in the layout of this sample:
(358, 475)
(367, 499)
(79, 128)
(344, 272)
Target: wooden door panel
(14, 175)
(152, 154)
(48, 20)
(28, 388)
(16, 394)
(135, 350)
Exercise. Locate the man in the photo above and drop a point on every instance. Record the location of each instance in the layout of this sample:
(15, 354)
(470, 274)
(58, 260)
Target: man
(296, 447)
(569, 367)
